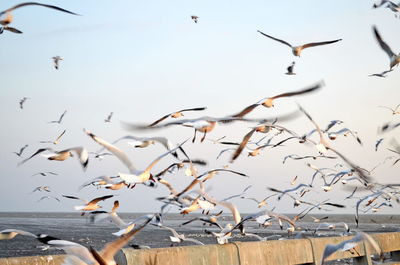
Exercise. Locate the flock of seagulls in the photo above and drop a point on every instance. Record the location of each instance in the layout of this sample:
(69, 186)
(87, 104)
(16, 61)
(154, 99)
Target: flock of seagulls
(196, 195)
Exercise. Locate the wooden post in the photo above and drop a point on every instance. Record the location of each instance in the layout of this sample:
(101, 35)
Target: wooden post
(395, 255)
(363, 260)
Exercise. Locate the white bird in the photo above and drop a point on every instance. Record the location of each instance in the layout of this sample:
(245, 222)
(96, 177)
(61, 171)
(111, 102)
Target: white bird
(41, 188)
(394, 59)
(48, 197)
(178, 238)
(394, 111)
(349, 244)
(135, 176)
(11, 233)
(268, 102)
(175, 114)
(10, 29)
(89, 205)
(296, 50)
(82, 153)
(56, 61)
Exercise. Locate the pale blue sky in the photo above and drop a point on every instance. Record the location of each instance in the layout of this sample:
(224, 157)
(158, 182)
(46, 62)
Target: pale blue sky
(143, 59)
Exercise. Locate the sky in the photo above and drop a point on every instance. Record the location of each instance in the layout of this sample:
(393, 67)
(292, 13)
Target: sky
(144, 59)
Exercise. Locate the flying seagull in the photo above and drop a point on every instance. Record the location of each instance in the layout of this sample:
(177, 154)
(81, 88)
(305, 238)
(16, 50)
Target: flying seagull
(176, 114)
(56, 61)
(35, 4)
(63, 155)
(195, 19)
(21, 150)
(60, 119)
(268, 102)
(22, 101)
(296, 50)
(109, 117)
(56, 141)
(394, 59)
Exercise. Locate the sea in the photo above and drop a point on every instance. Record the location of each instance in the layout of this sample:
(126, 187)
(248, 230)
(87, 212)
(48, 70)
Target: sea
(77, 228)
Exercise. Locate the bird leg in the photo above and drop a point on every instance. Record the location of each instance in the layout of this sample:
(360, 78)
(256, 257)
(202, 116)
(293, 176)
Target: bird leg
(204, 136)
(194, 137)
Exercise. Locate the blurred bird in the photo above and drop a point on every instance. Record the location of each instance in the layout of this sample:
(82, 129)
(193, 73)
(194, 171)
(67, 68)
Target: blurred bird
(21, 150)
(56, 141)
(60, 119)
(195, 19)
(56, 61)
(290, 69)
(22, 101)
(394, 59)
(109, 117)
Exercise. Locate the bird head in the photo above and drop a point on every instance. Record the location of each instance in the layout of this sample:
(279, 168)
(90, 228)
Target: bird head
(268, 103)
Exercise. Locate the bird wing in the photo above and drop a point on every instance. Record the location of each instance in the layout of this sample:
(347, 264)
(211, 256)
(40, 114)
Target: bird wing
(82, 154)
(62, 116)
(74, 198)
(242, 145)
(112, 248)
(36, 153)
(383, 44)
(193, 109)
(152, 164)
(300, 92)
(14, 30)
(159, 120)
(313, 44)
(246, 110)
(61, 135)
(114, 150)
(102, 198)
(281, 41)
(37, 4)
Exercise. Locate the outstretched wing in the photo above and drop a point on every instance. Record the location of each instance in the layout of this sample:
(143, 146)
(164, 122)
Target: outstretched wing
(37, 4)
(281, 41)
(313, 44)
(383, 44)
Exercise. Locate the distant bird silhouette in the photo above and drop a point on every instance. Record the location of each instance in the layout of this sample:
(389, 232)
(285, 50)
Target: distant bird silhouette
(56, 61)
(21, 150)
(109, 117)
(22, 101)
(195, 19)
(290, 69)
(60, 119)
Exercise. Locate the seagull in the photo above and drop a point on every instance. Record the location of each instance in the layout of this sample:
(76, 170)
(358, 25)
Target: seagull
(48, 197)
(394, 111)
(296, 50)
(377, 143)
(56, 61)
(178, 238)
(383, 74)
(56, 141)
(11, 233)
(135, 176)
(381, 3)
(45, 174)
(176, 114)
(345, 132)
(109, 117)
(89, 205)
(78, 254)
(268, 102)
(211, 220)
(195, 19)
(100, 156)
(22, 101)
(142, 142)
(60, 119)
(63, 155)
(349, 244)
(394, 59)
(290, 69)
(21, 150)
(41, 188)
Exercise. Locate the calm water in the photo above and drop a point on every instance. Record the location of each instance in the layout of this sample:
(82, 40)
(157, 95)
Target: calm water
(73, 227)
